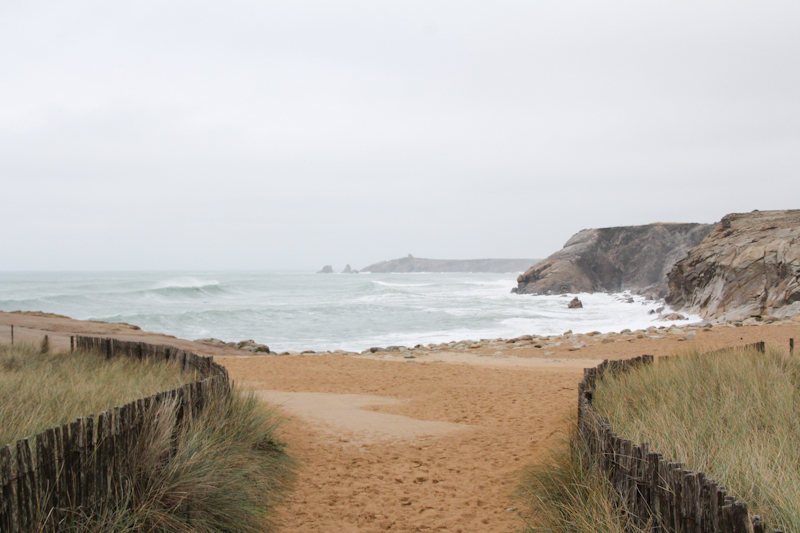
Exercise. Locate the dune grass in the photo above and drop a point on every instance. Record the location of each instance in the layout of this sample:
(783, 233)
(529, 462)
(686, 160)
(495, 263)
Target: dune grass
(735, 416)
(223, 473)
(559, 494)
(40, 389)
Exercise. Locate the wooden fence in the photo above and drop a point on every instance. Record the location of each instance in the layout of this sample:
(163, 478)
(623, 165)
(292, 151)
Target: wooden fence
(82, 466)
(657, 491)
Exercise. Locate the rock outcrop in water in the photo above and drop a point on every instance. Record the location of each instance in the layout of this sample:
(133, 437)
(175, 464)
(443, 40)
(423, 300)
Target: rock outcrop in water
(327, 269)
(635, 258)
(749, 266)
(575, 304)
(415, 264)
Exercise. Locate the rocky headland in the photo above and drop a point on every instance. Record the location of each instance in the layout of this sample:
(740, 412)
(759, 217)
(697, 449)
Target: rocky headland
(747, 269)
(625, 258)
(417, 264)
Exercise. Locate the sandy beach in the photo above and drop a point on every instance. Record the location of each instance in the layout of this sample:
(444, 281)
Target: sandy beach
(386, 441)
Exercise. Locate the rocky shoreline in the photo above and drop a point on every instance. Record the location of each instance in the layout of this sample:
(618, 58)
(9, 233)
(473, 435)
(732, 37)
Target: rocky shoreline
(746, 267)
(543, 344)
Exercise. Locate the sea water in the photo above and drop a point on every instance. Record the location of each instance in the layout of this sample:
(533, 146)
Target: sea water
(308, 311)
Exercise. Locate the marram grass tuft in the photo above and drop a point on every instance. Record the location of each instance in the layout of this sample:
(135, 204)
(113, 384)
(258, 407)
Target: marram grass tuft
(733, 415)
(41, 389)
(559, 494)
(224, 473)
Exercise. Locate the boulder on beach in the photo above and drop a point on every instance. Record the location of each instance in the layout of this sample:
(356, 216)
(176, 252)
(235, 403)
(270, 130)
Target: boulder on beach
(252, 346)
(212, 341)
(327, 269)
(575, 304)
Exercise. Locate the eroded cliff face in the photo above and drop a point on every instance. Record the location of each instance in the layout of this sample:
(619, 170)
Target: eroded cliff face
(635, 258)
(749, 266)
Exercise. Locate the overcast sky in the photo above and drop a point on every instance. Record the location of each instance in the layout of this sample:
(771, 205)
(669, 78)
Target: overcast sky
(290, 135)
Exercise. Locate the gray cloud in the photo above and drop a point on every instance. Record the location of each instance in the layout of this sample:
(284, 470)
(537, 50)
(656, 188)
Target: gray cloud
(152, 135)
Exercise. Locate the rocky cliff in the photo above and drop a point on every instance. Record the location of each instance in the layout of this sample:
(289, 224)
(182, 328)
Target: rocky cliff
(749, 266)
(635, 258)
(416, 264)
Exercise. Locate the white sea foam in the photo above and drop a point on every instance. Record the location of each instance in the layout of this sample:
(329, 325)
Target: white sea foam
(387, 284)
(185, 283)
(298, 310)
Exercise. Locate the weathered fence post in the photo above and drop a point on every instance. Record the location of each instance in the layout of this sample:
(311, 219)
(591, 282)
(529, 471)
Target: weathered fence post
(71, 343)
(8, 503)
(27, 495)
(737, 517)
(12, 334)
(791, 346)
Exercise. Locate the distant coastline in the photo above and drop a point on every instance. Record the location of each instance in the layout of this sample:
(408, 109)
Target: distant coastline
(418, 264)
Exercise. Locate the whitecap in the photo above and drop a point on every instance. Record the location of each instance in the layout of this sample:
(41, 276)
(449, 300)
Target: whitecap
(387, 284)
(185, 283)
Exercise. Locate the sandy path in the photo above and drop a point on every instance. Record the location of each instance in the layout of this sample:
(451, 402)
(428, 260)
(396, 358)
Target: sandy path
(447, 462)
(433, 443)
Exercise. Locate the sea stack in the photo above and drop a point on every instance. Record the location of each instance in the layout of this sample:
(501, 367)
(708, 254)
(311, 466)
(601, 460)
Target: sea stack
(327, 269)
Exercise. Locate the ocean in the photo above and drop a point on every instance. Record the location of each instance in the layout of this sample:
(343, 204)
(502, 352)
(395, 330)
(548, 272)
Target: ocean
(308, 311)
